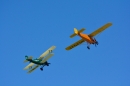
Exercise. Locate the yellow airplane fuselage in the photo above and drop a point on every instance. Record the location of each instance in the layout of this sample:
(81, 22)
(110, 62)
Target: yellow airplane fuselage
(86, 38)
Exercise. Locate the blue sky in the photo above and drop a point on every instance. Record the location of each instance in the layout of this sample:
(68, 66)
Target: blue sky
(29, 27)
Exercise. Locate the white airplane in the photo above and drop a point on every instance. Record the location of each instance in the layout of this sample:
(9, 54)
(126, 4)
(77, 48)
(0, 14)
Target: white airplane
(41, 61)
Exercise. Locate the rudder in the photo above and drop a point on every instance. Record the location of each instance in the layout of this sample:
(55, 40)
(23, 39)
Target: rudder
(27, 58)
(76, 32)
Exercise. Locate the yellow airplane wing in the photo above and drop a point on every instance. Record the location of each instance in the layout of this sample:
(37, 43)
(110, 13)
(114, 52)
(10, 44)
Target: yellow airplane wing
(75, 44)
(100, 29)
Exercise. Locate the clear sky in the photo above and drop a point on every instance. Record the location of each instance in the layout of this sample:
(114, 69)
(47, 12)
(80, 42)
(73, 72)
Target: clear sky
(29, 27)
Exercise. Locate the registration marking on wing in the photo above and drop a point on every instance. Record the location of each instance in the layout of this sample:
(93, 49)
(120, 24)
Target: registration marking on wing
(28, 66)
(47, 52)
(75, 44)
(33, 69)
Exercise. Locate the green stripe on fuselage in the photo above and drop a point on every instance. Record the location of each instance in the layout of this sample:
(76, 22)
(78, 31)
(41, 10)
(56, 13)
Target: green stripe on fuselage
(36, 61)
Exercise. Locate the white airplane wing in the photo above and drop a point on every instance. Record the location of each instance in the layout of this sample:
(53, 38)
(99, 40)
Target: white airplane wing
(29, 66)
(47, 52)
(33, 68)
(47, 57)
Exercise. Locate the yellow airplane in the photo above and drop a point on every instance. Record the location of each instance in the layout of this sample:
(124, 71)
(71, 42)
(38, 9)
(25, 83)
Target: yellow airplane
(87, 38)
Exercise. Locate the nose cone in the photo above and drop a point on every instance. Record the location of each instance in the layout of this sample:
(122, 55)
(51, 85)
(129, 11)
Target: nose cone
(75, 31)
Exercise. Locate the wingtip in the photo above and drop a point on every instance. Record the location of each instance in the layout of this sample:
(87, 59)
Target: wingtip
(109, 23)
(28, 72)
(67, 48)
(54, 46)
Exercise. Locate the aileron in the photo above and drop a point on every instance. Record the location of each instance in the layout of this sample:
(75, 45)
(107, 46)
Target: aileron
(100, 29)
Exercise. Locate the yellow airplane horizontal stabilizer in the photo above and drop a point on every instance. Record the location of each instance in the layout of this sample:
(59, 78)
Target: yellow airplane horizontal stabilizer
(76, 32)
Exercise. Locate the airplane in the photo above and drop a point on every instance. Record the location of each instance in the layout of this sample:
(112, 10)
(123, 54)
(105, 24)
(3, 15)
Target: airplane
(87, 38)
(41, 61)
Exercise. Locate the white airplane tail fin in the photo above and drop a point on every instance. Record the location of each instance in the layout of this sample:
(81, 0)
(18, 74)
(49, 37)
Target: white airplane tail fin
(76, 32)
(27, 58)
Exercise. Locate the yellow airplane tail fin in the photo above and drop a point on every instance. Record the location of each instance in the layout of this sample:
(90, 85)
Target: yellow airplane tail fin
(76, 32)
